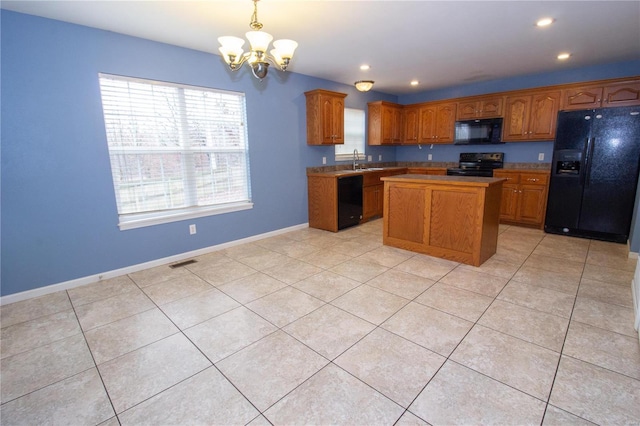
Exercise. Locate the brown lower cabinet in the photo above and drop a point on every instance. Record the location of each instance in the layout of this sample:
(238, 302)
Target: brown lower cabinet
(323, 196)
(524, 197)
(372, 199)
(373, 192)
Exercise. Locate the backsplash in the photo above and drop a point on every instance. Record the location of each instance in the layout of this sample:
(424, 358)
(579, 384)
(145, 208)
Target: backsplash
(434, 164)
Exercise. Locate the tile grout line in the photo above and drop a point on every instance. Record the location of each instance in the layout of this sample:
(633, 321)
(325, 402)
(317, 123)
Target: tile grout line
(95, 364)
(331, 361)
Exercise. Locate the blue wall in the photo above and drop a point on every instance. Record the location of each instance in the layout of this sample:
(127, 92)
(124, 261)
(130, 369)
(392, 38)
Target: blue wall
(59, 217)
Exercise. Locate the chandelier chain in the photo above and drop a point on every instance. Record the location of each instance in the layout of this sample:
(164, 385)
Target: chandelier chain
(254, 24)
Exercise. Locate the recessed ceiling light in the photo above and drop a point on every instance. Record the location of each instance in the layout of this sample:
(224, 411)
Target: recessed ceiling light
(564, 56)
(415, 82)
(365, 67)
(545, 22)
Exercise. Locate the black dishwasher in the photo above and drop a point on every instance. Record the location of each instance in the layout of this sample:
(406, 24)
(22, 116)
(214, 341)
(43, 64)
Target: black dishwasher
(349, 201)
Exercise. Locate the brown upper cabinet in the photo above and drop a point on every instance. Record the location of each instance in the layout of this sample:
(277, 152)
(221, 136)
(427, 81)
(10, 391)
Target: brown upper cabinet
(385, 123)
(484, 107)
(531, 116)
(427, 123)
(411, 120)
(625, 93)
(436, 123)
(325, 117)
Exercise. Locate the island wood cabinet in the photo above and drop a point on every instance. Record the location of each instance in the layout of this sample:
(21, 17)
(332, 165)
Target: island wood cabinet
(437, 123)
(531, 116)
(524, 197)
(450, 217)
(385, 123)
(601, 95)
(325, 117)
(484, 107)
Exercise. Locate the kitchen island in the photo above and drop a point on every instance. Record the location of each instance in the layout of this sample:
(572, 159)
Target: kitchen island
(451, 217)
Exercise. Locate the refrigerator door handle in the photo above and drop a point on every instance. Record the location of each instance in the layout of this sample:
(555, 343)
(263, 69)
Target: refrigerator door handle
(585, 161)
(587, 172)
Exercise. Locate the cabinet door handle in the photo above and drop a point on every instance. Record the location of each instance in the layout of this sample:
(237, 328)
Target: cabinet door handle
(532, 180)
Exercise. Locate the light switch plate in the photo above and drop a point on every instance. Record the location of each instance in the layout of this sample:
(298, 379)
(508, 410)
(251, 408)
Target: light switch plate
(324, 160)
(541, 156)
(430, 157)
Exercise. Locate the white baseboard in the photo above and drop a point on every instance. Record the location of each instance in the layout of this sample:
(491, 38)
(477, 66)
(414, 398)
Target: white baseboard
(66, 285)
(635, 295)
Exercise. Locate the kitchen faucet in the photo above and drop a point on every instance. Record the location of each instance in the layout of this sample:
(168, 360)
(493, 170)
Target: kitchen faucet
(355, 159)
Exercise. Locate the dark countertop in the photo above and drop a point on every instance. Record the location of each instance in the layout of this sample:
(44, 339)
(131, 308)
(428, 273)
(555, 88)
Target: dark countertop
(346, 172)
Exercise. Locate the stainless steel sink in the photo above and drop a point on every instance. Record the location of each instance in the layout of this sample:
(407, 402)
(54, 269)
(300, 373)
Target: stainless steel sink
(371, 169)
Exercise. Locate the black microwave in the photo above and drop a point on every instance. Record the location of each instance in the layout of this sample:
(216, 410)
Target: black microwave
(479, 131)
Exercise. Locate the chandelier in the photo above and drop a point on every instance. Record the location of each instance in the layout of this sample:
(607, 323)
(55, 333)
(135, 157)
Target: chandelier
(257, 57)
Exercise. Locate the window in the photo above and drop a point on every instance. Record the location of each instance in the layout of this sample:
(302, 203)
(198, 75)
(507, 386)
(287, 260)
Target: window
(177, 152)
(353, 135)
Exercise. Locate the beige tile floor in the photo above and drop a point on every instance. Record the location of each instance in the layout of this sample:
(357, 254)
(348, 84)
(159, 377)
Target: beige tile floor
(312, 327)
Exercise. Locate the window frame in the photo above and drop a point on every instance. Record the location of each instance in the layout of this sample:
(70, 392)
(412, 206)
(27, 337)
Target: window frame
(348, 156)
(132, 220)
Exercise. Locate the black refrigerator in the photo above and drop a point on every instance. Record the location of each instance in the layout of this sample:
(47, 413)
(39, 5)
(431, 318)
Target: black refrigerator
(594, 173)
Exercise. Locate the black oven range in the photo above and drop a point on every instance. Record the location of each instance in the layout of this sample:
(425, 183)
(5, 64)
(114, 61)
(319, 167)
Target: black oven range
(477, 164)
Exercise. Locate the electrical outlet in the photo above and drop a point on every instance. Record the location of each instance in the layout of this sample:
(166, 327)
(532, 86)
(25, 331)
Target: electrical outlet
(324, 160)
(192, 229)
(380, 157)
(541, 156)
(369, 157)
(430, 157)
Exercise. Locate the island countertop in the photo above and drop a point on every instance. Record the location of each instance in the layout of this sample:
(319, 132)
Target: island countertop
(445, 180)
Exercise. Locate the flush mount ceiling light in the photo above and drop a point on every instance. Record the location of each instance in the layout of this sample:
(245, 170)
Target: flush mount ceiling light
(364, 85)
(564, 56)
(545, 22)
(414, 82)
(257, 57)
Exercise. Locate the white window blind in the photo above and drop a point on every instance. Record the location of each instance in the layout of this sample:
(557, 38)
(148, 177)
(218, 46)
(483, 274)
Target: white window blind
(353, 135)
(176, 151)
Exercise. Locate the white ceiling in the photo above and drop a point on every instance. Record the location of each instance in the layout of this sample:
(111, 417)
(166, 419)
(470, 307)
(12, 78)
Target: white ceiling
(439, 43)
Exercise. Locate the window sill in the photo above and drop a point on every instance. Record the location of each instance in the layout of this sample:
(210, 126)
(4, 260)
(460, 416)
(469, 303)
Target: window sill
(142, 220)
(349, 157)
